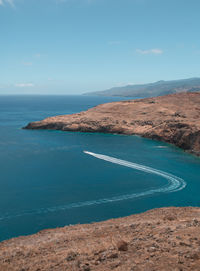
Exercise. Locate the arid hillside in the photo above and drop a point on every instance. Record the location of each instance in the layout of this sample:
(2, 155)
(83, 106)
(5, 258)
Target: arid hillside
(172, 118)
(161, 239)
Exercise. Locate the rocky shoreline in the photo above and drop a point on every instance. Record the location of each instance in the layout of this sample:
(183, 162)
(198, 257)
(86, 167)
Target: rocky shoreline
(173, 119)
(160, 239)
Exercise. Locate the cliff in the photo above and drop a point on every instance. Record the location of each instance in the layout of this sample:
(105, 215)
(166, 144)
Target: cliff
(160, 239)
(171, 118)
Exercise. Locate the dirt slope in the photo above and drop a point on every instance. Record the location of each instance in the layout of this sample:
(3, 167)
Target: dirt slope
(161, 239)
(172, 118)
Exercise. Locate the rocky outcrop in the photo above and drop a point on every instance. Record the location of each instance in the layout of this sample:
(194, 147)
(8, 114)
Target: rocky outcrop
(160, 239)
(172, 118)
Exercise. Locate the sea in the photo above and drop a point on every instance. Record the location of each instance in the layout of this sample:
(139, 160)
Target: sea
(51, 179)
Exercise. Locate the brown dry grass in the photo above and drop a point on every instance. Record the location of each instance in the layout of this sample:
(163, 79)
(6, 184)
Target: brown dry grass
(161, 239)
(172, 118)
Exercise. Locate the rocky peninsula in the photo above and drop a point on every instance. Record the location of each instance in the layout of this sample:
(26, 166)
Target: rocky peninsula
(161, 240)
(171, 118)
(158, 240)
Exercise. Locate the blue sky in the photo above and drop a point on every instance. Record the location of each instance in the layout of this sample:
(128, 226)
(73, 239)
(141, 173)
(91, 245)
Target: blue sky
(74, 46)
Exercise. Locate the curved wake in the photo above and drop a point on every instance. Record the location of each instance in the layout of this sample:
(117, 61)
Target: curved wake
(174, 184)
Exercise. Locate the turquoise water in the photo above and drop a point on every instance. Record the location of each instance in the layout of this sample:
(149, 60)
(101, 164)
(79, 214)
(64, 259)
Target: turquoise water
(47, 180)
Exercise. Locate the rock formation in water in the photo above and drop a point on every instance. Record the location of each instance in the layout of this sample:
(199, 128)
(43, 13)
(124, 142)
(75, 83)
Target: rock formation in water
(161, 239)
(172, 118)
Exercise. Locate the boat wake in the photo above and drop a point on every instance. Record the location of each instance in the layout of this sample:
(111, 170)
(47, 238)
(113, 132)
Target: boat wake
(174, 184)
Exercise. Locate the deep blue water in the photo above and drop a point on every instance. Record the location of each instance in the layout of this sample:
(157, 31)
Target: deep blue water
(46, 179)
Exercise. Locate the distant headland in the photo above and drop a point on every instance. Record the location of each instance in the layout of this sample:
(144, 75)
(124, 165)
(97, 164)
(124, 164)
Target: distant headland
(172, 118)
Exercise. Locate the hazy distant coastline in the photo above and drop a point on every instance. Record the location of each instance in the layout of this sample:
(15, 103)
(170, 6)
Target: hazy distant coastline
(152, 89)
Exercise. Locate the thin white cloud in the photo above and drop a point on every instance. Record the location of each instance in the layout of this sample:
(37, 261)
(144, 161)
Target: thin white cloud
(38, 55)
(27, 63)
(23, 85)
(83, 1)
(154, 51)
(10, 2)
(114, 42)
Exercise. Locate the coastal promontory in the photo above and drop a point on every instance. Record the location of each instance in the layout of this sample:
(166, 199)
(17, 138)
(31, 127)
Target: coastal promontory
(171, 118)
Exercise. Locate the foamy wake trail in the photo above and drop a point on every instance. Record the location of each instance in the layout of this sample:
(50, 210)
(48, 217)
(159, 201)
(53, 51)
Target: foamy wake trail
(174, 184)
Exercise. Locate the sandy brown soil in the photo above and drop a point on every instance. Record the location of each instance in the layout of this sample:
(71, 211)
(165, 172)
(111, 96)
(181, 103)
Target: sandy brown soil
(172, 118)
(161, 239)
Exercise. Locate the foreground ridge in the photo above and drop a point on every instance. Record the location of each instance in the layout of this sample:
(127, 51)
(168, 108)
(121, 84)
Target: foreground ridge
(172, 118)
(160, 239)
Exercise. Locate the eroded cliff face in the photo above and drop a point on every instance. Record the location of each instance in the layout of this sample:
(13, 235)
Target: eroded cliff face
(161, 239)
(172, 118)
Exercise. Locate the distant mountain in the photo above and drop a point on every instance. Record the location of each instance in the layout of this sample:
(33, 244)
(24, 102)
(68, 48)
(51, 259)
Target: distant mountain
(153, 89)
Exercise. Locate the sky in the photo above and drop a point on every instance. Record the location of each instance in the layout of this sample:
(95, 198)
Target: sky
(76, 46)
